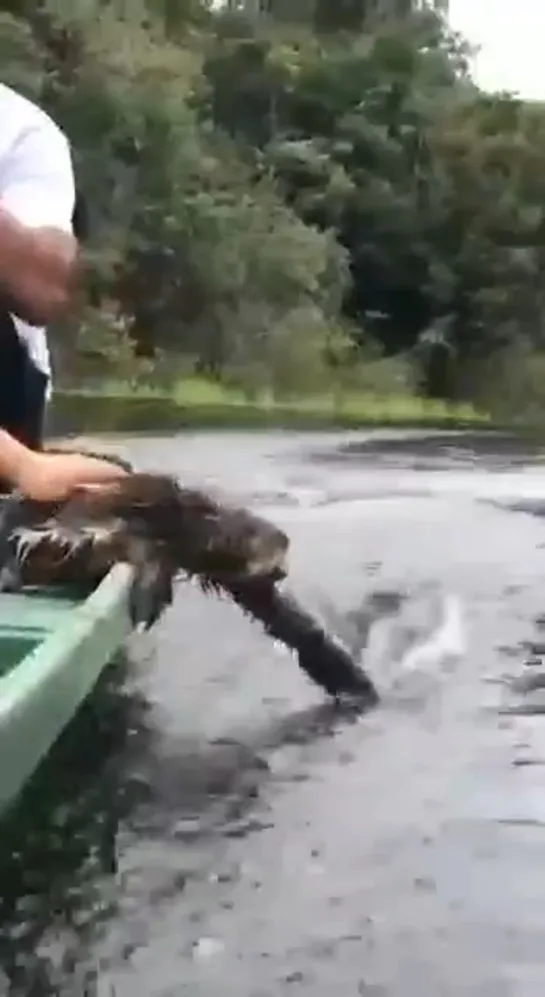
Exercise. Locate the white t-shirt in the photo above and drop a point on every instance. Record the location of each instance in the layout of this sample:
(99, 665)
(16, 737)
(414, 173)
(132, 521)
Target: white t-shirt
(36, 185)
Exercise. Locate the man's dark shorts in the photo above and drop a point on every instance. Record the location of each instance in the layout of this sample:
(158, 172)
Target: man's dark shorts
(23, 391)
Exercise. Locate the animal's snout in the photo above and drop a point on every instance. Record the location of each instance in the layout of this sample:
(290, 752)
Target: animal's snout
(268, 550)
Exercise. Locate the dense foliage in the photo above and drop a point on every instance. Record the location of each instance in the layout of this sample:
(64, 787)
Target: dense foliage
(276, 204)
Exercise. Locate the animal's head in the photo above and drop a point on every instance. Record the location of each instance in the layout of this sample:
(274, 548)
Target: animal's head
(200, 534)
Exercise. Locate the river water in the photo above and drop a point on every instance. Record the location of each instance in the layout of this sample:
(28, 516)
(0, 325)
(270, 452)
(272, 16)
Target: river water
(209, 826)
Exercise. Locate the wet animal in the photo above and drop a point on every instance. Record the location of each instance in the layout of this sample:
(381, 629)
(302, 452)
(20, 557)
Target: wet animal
(166, 531)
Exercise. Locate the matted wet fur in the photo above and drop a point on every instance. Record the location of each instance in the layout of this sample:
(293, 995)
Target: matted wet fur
(165, 530)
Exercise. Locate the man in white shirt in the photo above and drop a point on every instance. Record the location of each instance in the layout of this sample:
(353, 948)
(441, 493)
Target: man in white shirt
(39, 268)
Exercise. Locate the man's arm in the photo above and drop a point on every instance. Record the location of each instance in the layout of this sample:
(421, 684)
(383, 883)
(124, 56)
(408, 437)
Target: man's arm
(39, 259)
(51, 477)
(38, 266)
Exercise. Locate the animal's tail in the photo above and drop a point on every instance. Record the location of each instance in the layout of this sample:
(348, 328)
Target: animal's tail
(322, 657)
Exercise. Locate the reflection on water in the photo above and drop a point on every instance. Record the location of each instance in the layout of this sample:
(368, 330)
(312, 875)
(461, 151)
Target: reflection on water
(489, 451)
(111, 773)
(118, 777)
(60, 838)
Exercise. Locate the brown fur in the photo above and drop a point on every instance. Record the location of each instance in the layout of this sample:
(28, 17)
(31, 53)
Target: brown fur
(150, 521)
(133, 516)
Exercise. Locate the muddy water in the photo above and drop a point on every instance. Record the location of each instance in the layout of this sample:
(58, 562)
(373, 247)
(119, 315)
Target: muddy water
(209, 826)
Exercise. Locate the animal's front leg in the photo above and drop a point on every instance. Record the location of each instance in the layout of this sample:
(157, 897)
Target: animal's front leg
(16, 513)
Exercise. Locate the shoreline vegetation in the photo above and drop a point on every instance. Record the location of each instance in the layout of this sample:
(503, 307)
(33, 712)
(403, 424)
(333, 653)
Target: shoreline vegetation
(199, 405)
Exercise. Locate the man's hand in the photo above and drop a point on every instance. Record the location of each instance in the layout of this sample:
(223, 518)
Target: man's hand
(48, 477)
(38, 269)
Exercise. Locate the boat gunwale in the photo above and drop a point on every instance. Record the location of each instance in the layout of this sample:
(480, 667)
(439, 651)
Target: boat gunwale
(61, 643)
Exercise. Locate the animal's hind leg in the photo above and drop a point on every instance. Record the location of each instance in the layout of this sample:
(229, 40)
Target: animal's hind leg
(152, 589)
(11, 577)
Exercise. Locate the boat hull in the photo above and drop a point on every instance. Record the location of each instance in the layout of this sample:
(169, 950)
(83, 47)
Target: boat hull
(52, 650)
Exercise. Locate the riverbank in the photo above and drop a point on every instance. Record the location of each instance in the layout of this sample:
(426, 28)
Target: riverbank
(122, 411)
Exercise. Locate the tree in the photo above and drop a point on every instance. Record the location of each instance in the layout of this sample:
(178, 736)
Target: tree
(261, 190)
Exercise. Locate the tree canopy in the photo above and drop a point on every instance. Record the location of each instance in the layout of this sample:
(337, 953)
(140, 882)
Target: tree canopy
(272, 200)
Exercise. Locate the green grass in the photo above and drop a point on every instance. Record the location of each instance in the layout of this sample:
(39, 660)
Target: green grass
(197, 403)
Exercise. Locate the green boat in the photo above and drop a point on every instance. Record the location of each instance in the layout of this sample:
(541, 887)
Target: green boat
(53, 648)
